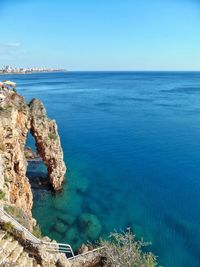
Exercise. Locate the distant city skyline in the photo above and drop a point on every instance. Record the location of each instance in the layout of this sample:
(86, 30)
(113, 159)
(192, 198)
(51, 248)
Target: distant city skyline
(101, 35)
(20, 70)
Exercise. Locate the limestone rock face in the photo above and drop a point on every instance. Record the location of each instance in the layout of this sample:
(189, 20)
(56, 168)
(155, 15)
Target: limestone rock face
(48, 144)
(16, 250)
(16, 119)
(14, 126)
(1, 172)
(88, 259)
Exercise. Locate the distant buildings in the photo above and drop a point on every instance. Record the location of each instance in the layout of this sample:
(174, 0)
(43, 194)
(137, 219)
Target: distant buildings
(10, 70)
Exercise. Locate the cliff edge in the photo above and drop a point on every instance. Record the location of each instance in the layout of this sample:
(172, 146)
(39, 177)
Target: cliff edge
(14, 127)
(17, 118)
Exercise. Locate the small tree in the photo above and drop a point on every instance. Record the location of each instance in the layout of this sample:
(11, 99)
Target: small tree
(122, 250)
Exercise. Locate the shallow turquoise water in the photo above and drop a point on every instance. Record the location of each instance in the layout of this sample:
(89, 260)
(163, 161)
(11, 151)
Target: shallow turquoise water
(132, 147)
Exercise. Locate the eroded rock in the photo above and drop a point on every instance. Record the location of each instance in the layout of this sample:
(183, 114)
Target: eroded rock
(16, 119)
(48, 144)
(14, 126)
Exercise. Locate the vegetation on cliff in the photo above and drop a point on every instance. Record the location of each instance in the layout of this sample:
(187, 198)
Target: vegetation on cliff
(123, 250)
(17, 118)
(18, 214)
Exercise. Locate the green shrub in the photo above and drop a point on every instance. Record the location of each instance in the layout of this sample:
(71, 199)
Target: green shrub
(53, 136)
(9, 209)
(122, 249)
(6, 236)
(37, 231)
(2, 194)
(18, 214)
(8, 227)
(15, 90)
(7, 179)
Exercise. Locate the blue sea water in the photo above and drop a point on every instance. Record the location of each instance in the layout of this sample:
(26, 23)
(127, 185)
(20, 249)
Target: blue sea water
(131, 143)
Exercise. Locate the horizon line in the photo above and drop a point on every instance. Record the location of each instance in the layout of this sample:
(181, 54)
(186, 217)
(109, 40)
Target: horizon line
(67, 70)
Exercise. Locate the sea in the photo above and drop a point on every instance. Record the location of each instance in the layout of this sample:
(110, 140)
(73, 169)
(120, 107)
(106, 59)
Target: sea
(131, 143)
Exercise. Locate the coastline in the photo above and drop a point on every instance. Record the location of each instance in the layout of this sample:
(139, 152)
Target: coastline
(34, 72)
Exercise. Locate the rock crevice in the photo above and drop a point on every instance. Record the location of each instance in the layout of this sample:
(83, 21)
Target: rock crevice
(16, 119)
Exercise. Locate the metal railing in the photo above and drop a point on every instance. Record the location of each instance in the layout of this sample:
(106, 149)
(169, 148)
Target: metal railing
(48, 246)
(87, 253)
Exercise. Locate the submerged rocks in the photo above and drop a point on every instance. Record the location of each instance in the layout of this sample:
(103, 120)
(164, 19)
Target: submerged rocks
(66, 218)
(142, 232)
(72, 234)
(90, 225)
(69, 203)
(73, 237)
(79, 184)
(60, 227)
(183, 227)
(77, 230)
(48, 144)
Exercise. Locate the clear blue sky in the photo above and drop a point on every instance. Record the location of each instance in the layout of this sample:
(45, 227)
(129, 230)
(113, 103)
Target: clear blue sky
(101, 34)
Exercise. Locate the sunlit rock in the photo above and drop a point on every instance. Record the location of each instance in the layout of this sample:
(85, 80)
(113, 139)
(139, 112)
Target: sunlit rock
(48, 144)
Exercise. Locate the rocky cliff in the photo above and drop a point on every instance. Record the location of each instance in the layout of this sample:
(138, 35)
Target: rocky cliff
(48, 143)
(16, 119)
(14, 126)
